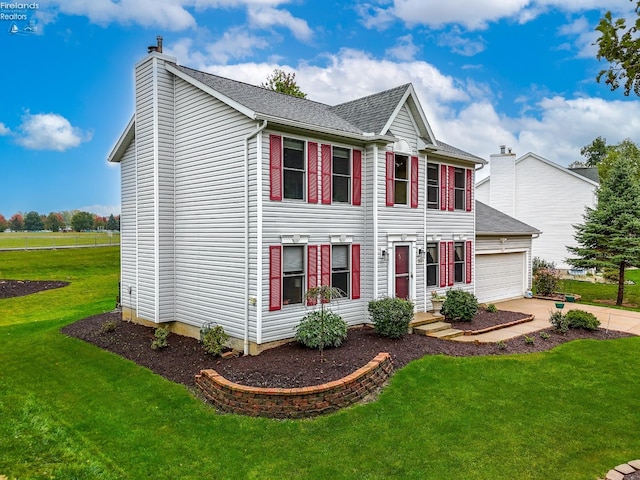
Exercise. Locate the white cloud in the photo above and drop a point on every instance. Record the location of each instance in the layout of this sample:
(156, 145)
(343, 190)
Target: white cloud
(266, 17)
(102, 210)
(583, 37)
(4, 130)
(372, 16)
(235, 43)
(49, 131)
(460, 45)
(404, 50)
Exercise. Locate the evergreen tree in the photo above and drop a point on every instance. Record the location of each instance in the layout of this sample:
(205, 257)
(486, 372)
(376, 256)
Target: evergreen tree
(111, 223)
(610, 234)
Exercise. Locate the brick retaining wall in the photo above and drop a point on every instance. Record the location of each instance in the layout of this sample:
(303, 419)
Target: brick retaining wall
(295, 402)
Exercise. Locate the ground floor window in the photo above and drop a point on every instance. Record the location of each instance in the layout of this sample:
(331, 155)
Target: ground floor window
(340, 271)
(292, 275)
(432, 264)
(459, 264)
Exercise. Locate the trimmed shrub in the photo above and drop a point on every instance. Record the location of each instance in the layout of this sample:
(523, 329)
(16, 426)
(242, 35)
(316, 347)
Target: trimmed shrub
(321, 329)
(491, 308)
(582, 319)
(160, 338)
(459, 306)
(559, 321)
(391, 316)
(214, 340)
(108, 326)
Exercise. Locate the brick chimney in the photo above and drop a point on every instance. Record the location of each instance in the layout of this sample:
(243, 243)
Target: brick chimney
(157, 47)
(502, 188)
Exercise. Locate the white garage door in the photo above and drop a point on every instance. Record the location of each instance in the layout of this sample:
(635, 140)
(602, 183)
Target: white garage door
(499, 276)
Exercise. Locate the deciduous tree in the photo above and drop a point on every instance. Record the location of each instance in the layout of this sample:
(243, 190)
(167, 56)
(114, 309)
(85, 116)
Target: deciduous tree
(595, 151)
(619, 44)
(82, 221)
(16, 222)
(33, 222)
(3, 223)
(283, 82)
(54, 222)
(610, 234)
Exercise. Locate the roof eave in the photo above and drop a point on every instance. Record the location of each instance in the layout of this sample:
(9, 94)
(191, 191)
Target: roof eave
(510, 234)
(474, 160)
(123, 142)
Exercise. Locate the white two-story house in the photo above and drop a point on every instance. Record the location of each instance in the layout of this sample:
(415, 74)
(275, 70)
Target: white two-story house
(237, 199)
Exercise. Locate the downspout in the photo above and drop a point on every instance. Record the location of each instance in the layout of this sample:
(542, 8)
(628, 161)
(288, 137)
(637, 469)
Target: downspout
(247, 299)
(375, 221)
(424, 235)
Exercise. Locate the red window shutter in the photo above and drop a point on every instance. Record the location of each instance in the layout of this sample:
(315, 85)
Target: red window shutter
(443, 187)
(451, 257)
(275, 277)
(451, 188)
(389, 178)
(325, 266)
(312, 159)
(468, 258)
(326, 174)
(469, 190)
(414, 182)
(275, 167)
(312, 270)
(355, 271)
(357, 177)
(443, 264)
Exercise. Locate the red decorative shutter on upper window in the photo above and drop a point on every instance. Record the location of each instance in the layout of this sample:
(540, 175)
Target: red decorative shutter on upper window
(469, 189)
(443, 264)
(451, 257)
(357, 177)
(312, 270)
(451, 188)
(414, 182)
(326, 174)
(312, 159)
(275, 277)
(275, 167)
(443, 187)
(389, 178)
(468, 258)
(325, 267)
(355, 271)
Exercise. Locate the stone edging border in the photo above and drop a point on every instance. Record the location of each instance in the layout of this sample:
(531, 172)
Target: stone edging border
(498, 327)
(618, 473)
(300, 402)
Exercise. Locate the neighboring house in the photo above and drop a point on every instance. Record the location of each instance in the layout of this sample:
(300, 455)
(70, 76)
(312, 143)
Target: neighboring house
(503, 255)
(541, 193)
(237, 199)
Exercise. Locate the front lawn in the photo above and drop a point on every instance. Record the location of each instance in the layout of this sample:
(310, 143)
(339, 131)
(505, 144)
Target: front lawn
(71, 410)
(594, 293)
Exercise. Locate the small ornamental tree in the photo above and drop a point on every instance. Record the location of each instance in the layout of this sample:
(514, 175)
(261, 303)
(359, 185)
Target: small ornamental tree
(610, 234)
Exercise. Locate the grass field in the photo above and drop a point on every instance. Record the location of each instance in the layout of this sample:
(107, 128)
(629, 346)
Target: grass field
(595, 293)
(70, 410)
(25, 240)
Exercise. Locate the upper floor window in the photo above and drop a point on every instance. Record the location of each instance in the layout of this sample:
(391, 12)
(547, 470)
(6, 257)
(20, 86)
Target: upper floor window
(460, 188)
(341, 175)
(401, 179)
(293, 170)
(433, 186)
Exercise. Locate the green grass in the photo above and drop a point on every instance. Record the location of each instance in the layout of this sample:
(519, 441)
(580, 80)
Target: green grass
(51, 240)
(71, 410)
(593, 293)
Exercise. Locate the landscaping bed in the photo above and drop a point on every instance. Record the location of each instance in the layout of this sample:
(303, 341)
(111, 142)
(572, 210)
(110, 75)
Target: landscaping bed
(293, 365)
(20, 288)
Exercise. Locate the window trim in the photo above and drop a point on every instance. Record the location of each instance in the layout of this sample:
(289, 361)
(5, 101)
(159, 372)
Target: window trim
(463, 204)
(431, 186)
(305, 170)
(435, 265)
(462, 264)
(348, 270)
(302, 274)
(349, 177)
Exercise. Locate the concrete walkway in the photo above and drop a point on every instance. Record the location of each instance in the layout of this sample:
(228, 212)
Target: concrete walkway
(611, 318)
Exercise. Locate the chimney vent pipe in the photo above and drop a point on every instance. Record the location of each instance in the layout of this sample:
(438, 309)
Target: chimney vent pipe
(502, 147)
(157, 47)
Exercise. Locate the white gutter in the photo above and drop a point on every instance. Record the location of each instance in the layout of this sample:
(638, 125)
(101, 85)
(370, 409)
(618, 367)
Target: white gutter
(247, 299)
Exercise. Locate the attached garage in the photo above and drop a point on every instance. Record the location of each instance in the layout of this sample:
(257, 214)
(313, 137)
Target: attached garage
(503, 255)
(500, 276)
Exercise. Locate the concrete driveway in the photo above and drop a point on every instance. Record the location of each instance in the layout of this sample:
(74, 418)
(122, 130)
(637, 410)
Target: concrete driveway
(611, 318)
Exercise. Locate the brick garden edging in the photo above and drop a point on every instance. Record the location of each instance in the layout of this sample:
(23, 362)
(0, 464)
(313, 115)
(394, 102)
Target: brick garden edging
(295, 402)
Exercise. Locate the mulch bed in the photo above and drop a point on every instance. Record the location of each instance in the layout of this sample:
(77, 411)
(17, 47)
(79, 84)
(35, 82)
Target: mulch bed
(292, 365)
(20, 288)
(484, 320)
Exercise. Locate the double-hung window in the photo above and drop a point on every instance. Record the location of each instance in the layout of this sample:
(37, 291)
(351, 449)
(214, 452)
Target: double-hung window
(433, 186)
(293, 168)
(401, 179)
(459, 188)
(340, 271)
(292, 274)
(341, 175)
(432, 264)
(459, 262)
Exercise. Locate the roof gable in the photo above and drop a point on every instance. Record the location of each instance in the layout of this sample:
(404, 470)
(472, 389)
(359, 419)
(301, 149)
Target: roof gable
(559, 168)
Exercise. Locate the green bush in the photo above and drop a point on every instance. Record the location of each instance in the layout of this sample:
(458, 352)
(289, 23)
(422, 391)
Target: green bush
(391, 316)
(459, 306)
(108, 326)
(321, 329)
(160, 338)
(214, 340)
(545, 281)
(559, 321)
(582, 319)
(491, 308)
(545, 336)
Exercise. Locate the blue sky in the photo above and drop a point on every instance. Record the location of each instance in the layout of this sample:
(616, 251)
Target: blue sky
(488, 72)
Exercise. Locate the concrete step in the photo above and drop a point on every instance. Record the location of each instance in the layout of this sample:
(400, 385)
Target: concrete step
(423, 318)
(432, 327)
(448, 333)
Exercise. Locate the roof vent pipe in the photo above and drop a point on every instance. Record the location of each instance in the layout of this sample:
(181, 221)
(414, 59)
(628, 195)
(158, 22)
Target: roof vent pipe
(502, 148)
(157, 47)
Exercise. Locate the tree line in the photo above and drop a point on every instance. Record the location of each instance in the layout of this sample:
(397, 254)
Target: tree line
(75, 220)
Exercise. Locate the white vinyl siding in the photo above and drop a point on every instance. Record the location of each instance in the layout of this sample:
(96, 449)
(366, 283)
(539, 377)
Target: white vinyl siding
(128, 228)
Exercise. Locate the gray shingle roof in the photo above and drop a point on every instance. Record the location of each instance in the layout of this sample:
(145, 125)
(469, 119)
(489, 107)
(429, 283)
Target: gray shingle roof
(445, 147)
(371, 113)
(489, 220)
(588, 172)
(271, 103)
